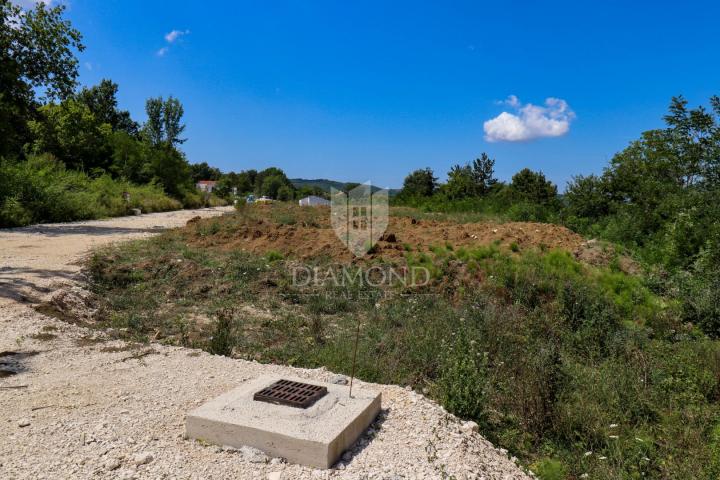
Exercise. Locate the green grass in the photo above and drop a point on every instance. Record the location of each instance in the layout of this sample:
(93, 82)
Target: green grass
(574, 369)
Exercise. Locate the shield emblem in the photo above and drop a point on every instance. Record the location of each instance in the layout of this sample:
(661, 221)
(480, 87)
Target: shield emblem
(359, 217)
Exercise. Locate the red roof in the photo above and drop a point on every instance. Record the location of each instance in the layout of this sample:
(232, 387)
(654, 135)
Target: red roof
(207, 182)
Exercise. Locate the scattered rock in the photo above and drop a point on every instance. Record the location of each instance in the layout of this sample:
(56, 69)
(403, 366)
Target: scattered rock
(339, 380)
(347, 456)
(253, 455)
(142, 458)
(136, 211)
(470, 426)
(24, 422)
(112, 464)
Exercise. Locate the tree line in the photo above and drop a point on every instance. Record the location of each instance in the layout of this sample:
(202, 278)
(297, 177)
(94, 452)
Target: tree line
(58, 141)
(658, 197)
(473, 187)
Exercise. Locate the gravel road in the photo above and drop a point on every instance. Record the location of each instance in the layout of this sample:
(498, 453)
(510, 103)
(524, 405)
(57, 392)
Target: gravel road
(73, 405)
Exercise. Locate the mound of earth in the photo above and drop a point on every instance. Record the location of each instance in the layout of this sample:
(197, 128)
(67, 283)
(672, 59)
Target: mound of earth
(259, 234)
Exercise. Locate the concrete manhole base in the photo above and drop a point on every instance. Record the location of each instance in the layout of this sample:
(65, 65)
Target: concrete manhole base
(315, 436)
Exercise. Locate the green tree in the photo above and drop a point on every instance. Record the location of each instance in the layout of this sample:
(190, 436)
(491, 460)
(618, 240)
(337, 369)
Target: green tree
(472, 179)
(533, 187)
(285, 193)
(71, 132)
(483, 172)
(172, 121)
(420, 183)
(461, 183)
(154, 130)
(244, 181)
(130, 158)
(271, 186)
(306, 191)
(695, 137)
(203, 171)
(587, 197)
(240, 181)
(171, 170)
(251, 176)
(101, 99)
(268, 181)
(36, 54)
(164, 123)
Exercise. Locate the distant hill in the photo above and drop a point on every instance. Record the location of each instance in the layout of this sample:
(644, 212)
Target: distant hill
(322, 183)
(326, 184)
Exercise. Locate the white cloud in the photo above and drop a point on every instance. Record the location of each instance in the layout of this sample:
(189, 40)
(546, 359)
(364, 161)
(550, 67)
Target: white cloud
(175, 34)
(170, 38)
(529, 121)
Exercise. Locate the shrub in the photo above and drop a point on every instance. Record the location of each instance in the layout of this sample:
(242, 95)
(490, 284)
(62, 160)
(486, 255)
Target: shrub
(273, 256)
(41, 189)
(463, 376)
(550, 469)
(224, 335)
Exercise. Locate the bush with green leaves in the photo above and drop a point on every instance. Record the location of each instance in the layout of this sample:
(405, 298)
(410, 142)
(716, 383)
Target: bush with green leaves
(574, 369)
(41, 189)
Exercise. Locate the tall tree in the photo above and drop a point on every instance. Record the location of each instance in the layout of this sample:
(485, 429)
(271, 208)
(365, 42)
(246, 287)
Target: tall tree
(420, 183)
(269, 188)
(101, 99)
(472, 179)
(483, 171)
(36, 54)
(461, 182)
(203, 171)
(164, 124)
(172, 121)
(154, 129)
(70, 131)
(533, 187)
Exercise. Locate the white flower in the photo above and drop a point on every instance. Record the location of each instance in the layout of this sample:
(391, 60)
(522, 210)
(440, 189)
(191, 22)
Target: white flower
(603, 458)
(587, 454)
(614, 437)
(613, 425)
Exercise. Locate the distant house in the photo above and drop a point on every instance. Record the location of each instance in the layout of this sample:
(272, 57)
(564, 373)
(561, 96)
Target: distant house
(313, 201)
(206, 185)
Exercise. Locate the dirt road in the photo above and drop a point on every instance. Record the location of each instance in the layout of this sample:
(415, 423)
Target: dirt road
(75, 405)
(36, 260)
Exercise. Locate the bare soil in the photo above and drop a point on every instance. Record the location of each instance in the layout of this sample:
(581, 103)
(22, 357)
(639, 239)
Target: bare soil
(312, 236)
(75, 405)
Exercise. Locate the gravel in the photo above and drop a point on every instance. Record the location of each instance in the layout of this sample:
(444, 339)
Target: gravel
(78, 409)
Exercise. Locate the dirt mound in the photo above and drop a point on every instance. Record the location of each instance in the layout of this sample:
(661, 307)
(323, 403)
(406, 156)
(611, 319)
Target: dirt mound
(311, 239)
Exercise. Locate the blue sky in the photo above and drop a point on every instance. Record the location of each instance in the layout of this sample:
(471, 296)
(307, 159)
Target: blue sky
(372, 90)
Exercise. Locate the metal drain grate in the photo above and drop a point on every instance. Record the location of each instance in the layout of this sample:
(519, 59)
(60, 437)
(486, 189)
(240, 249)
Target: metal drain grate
(292, 394)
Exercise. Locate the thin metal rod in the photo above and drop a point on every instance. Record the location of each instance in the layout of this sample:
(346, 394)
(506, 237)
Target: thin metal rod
(357, 339)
